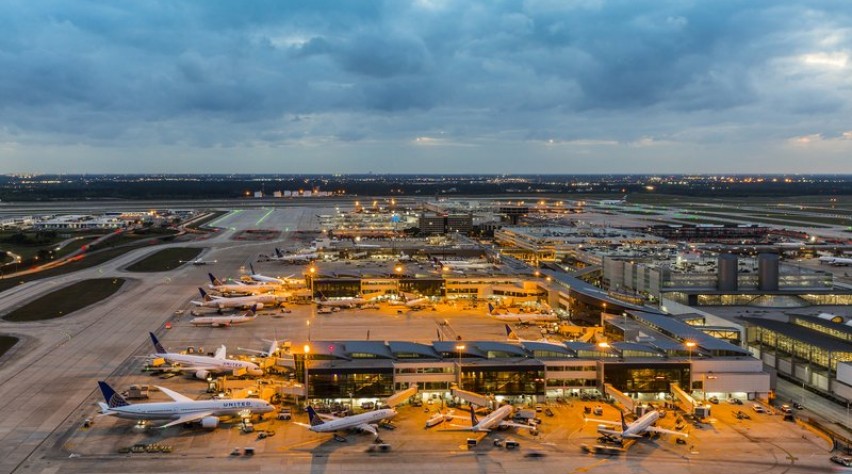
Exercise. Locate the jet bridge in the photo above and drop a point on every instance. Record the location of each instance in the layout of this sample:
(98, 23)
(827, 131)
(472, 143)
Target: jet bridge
(472, 397)
(687, 402)
(620, 397)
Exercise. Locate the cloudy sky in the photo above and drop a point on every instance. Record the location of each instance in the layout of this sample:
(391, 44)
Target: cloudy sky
(434, 86)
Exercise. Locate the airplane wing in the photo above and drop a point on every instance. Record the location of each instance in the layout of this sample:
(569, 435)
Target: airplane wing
(188, 418)
(512, 424)
(174, 395)
(654, 429)
(604, 422)
(368, 428)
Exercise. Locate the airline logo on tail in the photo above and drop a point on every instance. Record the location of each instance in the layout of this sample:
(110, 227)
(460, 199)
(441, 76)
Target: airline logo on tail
(315, 420)
(510, 334)
(490, 308)
(204, 295)
(158, 348)
(112, 398)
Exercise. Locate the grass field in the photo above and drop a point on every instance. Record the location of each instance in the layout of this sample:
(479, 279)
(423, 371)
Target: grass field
(66, 300)
(6, 343)
(164, 260)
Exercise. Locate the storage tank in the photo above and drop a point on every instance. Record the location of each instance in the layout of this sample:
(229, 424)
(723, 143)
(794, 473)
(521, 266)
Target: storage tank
(767, 272)
(726, 273)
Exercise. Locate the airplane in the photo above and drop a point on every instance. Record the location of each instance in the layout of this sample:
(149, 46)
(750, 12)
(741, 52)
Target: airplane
(447, 265)
(637, 429)
(267, 279)
(198, 261)
(523, 318)
(495, 419)
(836, 261)
(302, 257)
(364, 422)
(511, 335)
(414, 303)
(240, 287)
(271, 351)
(203, 365)
(349, 302)
(182, 410)
(225, 321)
(220, 302)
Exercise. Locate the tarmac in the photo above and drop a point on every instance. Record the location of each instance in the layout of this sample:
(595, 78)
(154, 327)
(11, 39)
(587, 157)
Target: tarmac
(49, 388)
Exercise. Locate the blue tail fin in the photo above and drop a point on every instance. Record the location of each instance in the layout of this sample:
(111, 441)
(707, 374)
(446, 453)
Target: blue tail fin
(112, 398)
(313, 418)
(215, 281)
(158, 348)
(473, 420)
(623, 423)
(510, 334)
(490, 308)
(203, 294)
(278, 252)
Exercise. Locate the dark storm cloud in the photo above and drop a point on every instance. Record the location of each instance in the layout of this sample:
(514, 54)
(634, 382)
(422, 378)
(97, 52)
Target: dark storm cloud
(574, 75)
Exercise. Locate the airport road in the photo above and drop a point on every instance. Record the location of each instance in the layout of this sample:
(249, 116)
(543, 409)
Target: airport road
(53, 370)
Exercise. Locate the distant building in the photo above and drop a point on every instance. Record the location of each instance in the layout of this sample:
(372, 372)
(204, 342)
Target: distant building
(442, 224)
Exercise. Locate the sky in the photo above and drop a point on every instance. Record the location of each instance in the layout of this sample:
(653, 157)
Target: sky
(425, 86)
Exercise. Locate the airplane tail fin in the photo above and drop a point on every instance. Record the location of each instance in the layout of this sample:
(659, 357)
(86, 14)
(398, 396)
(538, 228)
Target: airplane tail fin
(313, 418)
(623, 423)
(252, 311)
(278, 252)
(221, 353)
(490, 308)
(204, 295)
(251, 267)
(510, 333)
(213, 280)
(158, 348)
(112, 398)
(473, 420)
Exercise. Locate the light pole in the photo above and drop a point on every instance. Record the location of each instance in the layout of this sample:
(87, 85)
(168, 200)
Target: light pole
(307, 349)
(312, 270)
(460, 348)
(602, 347)
(602, 315)
(308, 324)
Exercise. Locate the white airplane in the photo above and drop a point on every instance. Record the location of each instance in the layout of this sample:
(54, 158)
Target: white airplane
(414, 303)
(448, 265)
(349, 302)
(644, 424)
(203, 365)
(511, 335)
(270, 351)
(300, 257)
(240, 287)
(836, 261)
(182, 410)
(267, 279)
(226, 321)
(364, 422)
(221, 302)
(495, 419)
(523, 318)
(199, 261)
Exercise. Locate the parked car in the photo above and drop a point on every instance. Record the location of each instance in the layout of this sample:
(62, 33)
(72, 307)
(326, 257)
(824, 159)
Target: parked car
(798, 406)
(759, 409)
(713, 400)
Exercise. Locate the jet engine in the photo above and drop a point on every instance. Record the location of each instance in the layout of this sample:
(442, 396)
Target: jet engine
(259, 306)
(210, 422)
(202, 374)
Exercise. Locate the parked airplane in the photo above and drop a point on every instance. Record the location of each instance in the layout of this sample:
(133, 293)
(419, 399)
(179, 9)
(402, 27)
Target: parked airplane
(268, 352)
(349, 302)
(511, 335)
(182, 410)
(364, 422)
(523, 318)
(240, 287)
(644, 424)
(199, 261)
(226, 321)
(413, 303)
(220, 302)
(203, 365)
(496, 419)
(836, 261)
(267, 279)
(300, 257)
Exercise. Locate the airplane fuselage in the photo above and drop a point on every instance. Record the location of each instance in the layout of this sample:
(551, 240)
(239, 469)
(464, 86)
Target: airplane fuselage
(354, 421)
(173, 410)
